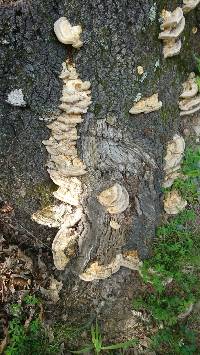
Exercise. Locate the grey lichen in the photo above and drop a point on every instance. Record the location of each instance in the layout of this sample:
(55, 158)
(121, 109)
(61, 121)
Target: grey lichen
(16, 98)
(152, 12)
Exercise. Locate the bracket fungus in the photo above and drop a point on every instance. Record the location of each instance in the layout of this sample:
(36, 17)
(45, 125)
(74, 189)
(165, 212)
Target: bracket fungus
(95, 271)
(146, 105)
(64, 166)
(173, 158)
(174, 203)
(93, 252)
(50, 216)
(64, 246)
(189, 99)
(115, 199)
(172, 27)
(66, 33)
(189, 5)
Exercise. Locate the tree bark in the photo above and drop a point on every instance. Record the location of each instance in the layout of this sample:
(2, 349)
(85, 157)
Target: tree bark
(118, 36)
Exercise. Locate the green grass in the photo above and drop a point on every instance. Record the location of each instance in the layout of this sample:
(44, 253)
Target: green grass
(98, 347)
(26, 331)
(187, 185)
(172, 275)
(28, 335)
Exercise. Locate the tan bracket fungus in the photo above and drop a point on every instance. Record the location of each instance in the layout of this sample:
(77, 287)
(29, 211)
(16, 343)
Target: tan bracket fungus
(189, 5)
(174, 203)
(95, 271)
(64, 166)
(173, 158)
(172, 27)
(115, 199)
(146, 105)
(68, 34)
(190, 100)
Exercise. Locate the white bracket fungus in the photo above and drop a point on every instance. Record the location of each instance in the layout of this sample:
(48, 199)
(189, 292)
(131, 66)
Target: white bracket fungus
(115, 199)
(68, 34)
(172, 27)
(190, 100)
(95, 271)
(174, 203)
(146, 105)
(173, 158)
(189, 5)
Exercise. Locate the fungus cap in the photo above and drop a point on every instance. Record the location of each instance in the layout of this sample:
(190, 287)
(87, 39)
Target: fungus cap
(174, 203)
(66, 33)
(115, 199)
(146, 105)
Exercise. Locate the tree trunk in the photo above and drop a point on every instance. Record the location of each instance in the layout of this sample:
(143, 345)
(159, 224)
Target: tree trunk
(118, 147)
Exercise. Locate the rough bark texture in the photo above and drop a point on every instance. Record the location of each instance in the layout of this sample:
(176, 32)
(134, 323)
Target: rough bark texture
(116, 146)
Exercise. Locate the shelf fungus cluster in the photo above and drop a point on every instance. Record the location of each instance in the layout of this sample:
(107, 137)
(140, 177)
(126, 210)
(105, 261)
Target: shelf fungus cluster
(146, 105)
(189, 5)
(189, 102)
(173, 158)
(64, 166)
(173, 202)
(172, 26)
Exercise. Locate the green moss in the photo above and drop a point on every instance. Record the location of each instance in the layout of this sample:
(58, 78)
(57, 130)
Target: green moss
(97, 109)
(169, 112)
(43, 192)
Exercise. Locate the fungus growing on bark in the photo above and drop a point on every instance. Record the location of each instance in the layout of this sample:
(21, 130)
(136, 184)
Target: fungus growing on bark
(64, 246)
(146, 105)
(174, 203)
(173, 158)
(114, 224)
(189, 5)
(66, 33)
(64, 166)
(190, 100)
(69, 190)
(140, 70)
(50, 216)
(172, 27)
(115, 199)
(190, 87)
(95, 271)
